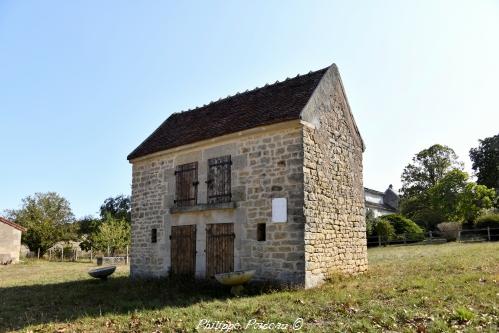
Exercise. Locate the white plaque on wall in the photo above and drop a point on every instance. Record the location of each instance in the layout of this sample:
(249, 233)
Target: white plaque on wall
(279, 210)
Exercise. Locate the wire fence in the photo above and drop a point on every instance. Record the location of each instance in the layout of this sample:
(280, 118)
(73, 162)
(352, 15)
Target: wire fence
(72, 254)
(401, 239)
(433, 237)
(478, 235)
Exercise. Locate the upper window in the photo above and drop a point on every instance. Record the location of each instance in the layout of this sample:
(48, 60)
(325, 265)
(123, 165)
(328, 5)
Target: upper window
(186, 191)
(218, 182)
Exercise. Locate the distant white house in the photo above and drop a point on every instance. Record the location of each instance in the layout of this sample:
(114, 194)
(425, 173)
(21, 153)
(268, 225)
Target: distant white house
(381, 203)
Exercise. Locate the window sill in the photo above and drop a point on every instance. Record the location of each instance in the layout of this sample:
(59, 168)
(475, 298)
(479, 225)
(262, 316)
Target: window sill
(203, 207)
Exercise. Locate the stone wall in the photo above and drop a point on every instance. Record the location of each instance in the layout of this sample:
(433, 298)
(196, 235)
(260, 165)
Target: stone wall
(315, 163)
(10, 241)
(335, 235)
(275, 170)
(267, 163)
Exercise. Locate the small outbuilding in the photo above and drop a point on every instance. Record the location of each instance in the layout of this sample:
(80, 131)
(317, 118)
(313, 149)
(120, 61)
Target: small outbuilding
(268, 180)
(10, 241)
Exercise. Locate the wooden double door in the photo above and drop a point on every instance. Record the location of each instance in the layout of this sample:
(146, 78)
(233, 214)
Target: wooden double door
(219, 249)
(183, 250)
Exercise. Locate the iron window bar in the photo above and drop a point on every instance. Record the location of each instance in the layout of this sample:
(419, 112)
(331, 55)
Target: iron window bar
(219, 180)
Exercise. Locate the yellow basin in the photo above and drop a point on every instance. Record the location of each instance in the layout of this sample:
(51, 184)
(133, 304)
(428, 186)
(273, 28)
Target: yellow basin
(235, 278)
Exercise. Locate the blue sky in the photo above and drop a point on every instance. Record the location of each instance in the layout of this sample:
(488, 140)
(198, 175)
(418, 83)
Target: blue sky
(82, 83)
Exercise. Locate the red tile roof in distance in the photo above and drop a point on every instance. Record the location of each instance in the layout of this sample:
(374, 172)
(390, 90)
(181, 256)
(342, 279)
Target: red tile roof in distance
(12, 224)
(267, 105)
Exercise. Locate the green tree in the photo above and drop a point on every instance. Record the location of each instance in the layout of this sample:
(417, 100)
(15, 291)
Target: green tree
(473, 200)
(87, 227)
(119, 207)
(68, 232)
(445, 196)
(485, 160)
(436, 190)
(427, 167)
(419, 209)
(44, 215)
(113, 234)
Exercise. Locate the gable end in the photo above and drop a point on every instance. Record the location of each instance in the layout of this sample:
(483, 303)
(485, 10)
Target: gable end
(327, 89)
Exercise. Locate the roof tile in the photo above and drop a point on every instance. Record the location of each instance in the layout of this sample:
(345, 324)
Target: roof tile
(270, 104)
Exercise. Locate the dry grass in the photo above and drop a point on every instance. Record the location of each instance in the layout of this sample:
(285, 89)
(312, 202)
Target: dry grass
(433, 288)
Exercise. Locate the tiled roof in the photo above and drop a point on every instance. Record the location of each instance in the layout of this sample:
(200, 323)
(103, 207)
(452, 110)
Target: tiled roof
(373, 191)
(383, 206)
(270, 104)
(12, 224)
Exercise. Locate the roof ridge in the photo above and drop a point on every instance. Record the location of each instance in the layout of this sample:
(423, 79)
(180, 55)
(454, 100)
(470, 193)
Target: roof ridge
(247, 91)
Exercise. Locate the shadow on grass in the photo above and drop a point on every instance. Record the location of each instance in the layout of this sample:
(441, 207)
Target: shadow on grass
(21, 306)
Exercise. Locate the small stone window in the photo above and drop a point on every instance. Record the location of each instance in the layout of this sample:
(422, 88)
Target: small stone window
(154, 235)
(186, 187)
(261, 232)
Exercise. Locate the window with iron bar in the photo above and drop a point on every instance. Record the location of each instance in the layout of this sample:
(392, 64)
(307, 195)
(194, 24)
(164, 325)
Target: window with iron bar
(218, 183)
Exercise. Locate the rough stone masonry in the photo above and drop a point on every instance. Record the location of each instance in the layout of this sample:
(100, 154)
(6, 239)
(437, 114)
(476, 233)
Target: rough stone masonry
(335, 229)
(311, 157)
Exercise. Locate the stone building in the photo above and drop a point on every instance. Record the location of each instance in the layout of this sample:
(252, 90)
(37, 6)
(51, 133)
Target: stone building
(268, 179)
(381, 203)
(10, 241)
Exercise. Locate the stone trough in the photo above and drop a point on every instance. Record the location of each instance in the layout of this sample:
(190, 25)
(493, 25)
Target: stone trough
(111, 261)
(235, 280)
(102, 272)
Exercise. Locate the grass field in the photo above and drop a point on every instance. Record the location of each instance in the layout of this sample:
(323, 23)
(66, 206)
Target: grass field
(433, 288)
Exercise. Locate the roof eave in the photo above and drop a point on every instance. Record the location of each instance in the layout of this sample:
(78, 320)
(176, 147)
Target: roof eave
(286, 123)
(13, 225)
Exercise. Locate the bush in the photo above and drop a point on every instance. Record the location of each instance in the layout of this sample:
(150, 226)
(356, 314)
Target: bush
(385, 230)
(488, 220)
(449, 230)
(403, 225)
(370, 223)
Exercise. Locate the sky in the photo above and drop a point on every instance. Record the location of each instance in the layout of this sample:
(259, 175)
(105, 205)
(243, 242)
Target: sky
(82, 83)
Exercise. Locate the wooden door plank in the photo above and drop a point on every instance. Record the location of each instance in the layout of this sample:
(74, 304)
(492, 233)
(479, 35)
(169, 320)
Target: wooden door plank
(219, 248)
(183, 250)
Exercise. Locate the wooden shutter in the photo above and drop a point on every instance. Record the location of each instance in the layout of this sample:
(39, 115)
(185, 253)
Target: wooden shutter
(219, 170)
(186, 192)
